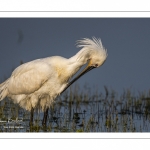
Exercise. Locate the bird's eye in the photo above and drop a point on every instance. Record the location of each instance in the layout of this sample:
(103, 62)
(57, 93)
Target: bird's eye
(96, 65)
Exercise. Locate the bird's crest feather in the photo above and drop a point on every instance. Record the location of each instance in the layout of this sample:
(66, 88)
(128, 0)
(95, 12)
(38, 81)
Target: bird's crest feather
(94, 44)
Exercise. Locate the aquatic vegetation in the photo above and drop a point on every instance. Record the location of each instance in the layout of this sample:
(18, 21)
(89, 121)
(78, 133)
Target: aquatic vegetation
(83, 111)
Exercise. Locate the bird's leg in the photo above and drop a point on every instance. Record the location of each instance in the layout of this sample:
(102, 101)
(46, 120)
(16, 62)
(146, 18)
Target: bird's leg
(44, 121)
(31, 117)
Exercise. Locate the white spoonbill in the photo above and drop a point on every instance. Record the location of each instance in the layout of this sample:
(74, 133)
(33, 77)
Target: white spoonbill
(37, 83)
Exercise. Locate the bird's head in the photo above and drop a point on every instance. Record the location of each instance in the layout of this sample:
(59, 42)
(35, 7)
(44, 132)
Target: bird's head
(96, 59)
(93, 53)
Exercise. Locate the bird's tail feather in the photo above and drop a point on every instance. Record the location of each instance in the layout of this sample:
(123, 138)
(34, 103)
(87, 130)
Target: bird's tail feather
(3, 89)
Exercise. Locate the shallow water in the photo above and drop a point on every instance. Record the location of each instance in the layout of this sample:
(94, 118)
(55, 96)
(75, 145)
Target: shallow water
(83, 112)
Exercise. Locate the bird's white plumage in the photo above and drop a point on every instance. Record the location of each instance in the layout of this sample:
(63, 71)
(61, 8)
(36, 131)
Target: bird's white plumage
(37, 83)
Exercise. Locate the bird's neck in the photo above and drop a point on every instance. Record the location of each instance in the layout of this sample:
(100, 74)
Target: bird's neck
(81, 57)
(78, 60)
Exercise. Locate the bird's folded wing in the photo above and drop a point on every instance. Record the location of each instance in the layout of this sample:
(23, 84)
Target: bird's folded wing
(29, 77)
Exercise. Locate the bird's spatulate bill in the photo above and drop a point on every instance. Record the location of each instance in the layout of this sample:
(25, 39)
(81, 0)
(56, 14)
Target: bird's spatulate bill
(86, 69)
